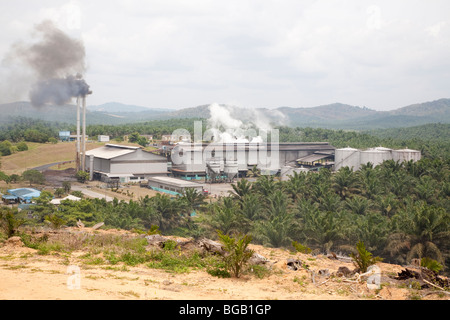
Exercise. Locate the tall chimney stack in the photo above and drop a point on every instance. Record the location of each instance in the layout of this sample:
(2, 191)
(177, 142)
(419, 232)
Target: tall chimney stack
(78, 166)
(83, 143)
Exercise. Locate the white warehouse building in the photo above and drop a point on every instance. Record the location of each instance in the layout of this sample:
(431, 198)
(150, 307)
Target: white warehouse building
(354, 158)
(124, 163)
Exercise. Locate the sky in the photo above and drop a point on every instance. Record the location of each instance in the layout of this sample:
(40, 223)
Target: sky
(249, 53)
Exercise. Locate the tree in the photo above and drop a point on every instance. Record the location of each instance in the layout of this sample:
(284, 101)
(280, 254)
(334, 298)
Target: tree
(59, 192)
(345, 182)
(194, 199)
(82, 176)
(22, 146)
(420, 231)
(241, 188)
(168, 212)
(4, 177)
(363, 258)
(277, 226)
(67, 186)
(143, 141)
(223, 216)
(134, 137)
(254, 172)
(10, 221)
(14, 178)
(5, 149)
(237, 252)
(33, 176)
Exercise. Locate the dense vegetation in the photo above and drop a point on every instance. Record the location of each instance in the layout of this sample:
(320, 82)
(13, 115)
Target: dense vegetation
(399, 211)
(433, 140)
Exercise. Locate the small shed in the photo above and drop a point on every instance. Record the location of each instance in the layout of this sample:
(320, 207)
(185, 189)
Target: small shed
(64, 135)
(103, 138)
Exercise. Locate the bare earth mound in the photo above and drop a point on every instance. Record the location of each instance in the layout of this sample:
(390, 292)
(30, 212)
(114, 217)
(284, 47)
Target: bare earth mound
(25, 274)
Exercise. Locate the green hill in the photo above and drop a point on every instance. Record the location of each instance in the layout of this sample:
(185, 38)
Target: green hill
(332, 116)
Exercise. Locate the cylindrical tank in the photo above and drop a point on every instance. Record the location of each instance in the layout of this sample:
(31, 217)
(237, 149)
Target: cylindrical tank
(375, 156)
(406, 155)
(347, 157)
(230, 170)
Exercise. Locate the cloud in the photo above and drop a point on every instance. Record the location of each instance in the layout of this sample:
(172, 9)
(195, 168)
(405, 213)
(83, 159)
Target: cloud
(255, 53)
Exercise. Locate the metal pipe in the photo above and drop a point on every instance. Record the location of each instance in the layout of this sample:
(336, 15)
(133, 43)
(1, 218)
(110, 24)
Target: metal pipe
(83, 158)
(78, 135)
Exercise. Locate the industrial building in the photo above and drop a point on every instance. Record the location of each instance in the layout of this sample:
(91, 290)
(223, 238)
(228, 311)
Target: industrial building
(226, 161)
(124, 163)
(173, 186)
(354, 158)
(67, 136)
(21, 195)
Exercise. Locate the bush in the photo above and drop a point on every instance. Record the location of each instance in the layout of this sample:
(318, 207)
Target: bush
(82, 176)
(10, 221)
(54, 221)
(363, 259)
(22, 146)
(300, 248)
(237, 254)
(431, 264)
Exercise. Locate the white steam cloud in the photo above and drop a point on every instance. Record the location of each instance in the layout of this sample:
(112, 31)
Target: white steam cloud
(236, 124)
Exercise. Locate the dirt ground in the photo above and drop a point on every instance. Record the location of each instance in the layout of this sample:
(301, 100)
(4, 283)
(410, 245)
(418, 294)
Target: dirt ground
(26, 275)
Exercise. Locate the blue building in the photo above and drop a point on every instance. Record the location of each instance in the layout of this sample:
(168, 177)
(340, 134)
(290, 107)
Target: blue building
(22, 195)
(64, 135)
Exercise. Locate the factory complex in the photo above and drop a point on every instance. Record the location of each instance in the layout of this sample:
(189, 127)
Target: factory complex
(190, 165)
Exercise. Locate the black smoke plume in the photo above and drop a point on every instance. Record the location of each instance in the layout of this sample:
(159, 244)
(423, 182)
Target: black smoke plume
(58, 62)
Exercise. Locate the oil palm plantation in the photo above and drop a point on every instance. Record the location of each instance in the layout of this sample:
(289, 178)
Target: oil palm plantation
(420, 231)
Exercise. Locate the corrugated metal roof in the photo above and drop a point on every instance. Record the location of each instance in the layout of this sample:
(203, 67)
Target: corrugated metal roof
(110, 151)
(176, 182)
(313, 157)
(25, 193)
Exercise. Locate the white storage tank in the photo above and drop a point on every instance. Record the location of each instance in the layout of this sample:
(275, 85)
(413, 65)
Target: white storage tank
(406, 155)
(375, 156)
(347, 157)
(231, 169)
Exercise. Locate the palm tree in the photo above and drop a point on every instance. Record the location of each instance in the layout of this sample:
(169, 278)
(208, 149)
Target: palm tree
(345, 182)
(330, 202)
(193, 199)
(358, 205)
(249, 211)
(265, 185)
(369, 181)
(372, 229)
(296, 185)
(426, 189)
(223, 216)
(254, 172)
(420, 232)
(169, 212)
(277, 226)
(324, 229)
(241, 188)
